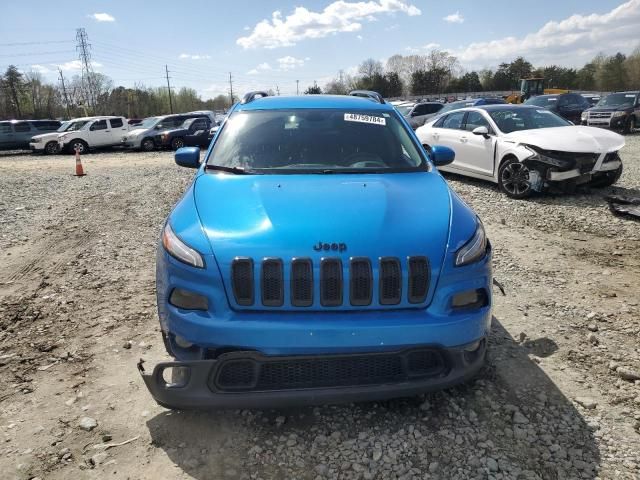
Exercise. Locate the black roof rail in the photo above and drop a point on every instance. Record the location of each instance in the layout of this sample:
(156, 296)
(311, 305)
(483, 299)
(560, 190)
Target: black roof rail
(251, 96)
(368, 94)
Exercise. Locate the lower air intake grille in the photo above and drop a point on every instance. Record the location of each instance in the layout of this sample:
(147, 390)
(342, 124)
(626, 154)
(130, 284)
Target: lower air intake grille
(242, 280)
(331, 282)
(272, 288)
(418, 279)
(390, 281)
(260, 373)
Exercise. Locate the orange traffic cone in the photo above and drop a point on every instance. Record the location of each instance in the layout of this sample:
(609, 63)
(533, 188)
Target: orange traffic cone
(79, 169)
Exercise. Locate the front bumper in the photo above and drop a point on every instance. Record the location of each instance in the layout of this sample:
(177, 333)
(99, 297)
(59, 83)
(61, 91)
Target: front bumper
(252, 380)
(607, 121)
(36, 147)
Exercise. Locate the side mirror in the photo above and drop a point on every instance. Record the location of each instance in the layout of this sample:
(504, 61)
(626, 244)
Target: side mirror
(188, 157)
(441, 155)
(484, 131)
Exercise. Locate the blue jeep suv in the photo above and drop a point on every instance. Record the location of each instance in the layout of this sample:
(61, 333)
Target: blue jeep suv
(318, 256)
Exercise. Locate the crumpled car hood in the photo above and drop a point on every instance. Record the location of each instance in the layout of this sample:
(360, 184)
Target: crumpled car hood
(576, 138)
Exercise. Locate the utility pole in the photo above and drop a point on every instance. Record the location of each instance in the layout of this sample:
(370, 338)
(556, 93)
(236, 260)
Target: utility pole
(277, 90)
(64, 93)
(166, 70)
(297, 85)
(230, 88)
(84, 53)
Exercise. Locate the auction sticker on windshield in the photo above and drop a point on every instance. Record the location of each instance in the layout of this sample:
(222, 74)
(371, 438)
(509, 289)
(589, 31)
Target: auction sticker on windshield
(358, 117)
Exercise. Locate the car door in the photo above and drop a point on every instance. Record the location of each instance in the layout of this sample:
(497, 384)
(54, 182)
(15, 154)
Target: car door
(198, 134)
(449, 134)
(118, 130)
(475, 152)
(6, 135)
(99, 134)
(22, 134)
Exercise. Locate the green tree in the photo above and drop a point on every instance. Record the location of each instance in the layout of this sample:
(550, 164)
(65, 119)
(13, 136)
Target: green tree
(13, 88)
(313, 90)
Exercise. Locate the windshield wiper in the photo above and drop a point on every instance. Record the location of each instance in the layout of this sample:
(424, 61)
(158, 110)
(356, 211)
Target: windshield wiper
(235, 170)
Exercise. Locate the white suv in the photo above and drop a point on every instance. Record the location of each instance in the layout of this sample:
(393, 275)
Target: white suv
(97, 133)
(47, 143)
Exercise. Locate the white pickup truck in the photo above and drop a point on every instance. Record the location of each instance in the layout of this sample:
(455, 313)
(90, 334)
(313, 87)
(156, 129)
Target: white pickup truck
(96, 133)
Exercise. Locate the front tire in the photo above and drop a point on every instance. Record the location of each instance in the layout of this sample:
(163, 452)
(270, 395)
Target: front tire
(147, 145)
(606, 179)
(51, 148)
(177, 143)
(513, 179)
(79, 145)
(630, 126)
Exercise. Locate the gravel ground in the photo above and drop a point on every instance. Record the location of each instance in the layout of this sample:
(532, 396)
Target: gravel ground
(558, 399)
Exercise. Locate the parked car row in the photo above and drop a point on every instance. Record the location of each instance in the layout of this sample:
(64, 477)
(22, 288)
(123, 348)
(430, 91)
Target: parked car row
(87, 133)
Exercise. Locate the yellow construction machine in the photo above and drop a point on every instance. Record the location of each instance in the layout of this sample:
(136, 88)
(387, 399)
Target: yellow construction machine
(530, 87)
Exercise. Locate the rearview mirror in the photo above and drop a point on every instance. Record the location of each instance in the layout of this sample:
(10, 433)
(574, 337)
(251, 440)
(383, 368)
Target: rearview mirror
(441, 155)
(484, 131)
(188, 157)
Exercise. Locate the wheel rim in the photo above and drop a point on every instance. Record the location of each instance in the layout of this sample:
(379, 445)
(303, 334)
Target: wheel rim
(177, 143)
(515, 179)
(78, 146)
(51, 147)
(147, 145)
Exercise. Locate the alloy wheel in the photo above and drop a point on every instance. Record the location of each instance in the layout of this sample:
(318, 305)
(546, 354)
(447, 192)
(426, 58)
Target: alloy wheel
(515, 179)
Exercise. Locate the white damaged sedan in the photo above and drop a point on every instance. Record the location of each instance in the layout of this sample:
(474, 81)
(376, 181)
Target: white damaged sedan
(525, 148)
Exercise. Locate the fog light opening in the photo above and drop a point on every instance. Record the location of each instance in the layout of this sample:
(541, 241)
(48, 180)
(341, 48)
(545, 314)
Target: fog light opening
(188, 300)
(470, 300)
(473, 351)
(176, 377)
(182, 342)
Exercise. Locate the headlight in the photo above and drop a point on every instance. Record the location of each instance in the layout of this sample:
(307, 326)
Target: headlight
(584, 115)
(619, 114)
(178, 249)
(541, 157)
(474, 249)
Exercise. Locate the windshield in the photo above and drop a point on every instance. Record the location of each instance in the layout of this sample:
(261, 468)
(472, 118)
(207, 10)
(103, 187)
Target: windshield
(618, 100)
(455, 106)
(63, 126)
(545, 102)
(73, 126)
(315, 141)
(149, 122)
(404, 109)
(515, 119)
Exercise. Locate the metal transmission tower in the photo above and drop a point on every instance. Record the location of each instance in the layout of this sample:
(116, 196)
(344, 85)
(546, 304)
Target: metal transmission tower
(84, 54)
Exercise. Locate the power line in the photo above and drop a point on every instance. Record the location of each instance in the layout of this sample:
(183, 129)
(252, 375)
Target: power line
(17, 44)
(34, 54)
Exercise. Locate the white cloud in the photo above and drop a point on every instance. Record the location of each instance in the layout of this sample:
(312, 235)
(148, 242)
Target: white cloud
(454, 18)
(425, 48)
(339, 16)
(40, 69)
(290, 63)
(75, 65)
(102, 17)
(359, 37)
(194, 57)
(263, 67)
(570, 41)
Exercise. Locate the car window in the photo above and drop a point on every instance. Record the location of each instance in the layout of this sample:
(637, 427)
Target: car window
(99, 125)
(22, 127)
(116, 122)
(421, 110)
(316, 141)
(514, 119)
(454, 120)
(171, 122)
(5, 128)
(434, 107)
(475, 120)
(438, 123)
(46, 125)
(200, 124)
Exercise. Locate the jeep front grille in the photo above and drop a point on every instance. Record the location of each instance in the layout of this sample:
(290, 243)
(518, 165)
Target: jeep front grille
(359, 281)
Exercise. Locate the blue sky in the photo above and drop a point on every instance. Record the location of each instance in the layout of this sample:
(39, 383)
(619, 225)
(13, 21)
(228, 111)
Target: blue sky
(268, 44)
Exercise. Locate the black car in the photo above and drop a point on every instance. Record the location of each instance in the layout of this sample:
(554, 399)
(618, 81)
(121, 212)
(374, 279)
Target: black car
(567, 105)
(617, 111)
(194, 132)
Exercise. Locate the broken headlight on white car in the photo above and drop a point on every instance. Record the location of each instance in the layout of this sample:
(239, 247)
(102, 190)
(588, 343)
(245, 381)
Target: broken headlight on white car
(539, 155)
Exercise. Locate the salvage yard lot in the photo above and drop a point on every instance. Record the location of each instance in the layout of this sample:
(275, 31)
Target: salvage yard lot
(77, 310)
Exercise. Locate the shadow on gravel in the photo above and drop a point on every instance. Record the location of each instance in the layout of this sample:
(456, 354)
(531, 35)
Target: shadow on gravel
(510, 422)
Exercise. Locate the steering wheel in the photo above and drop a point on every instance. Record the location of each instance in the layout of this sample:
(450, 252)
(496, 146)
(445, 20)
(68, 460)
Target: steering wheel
(364, 160)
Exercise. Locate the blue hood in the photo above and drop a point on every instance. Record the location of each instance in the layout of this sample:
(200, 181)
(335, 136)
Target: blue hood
(284, 216)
